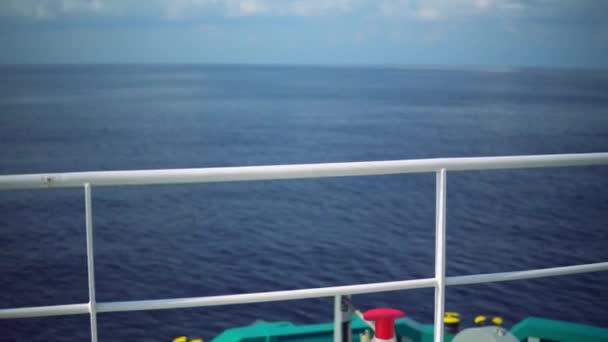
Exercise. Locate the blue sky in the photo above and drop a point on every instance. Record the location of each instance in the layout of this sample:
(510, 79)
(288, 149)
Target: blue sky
(550, 33)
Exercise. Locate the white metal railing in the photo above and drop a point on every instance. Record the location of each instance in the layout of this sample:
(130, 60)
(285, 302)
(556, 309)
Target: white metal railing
(226, 174)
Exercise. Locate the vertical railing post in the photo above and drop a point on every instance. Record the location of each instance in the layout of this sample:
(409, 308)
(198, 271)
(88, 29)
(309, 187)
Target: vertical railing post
(440, 207)
(342, 319)
(90, 261)
(338, 319)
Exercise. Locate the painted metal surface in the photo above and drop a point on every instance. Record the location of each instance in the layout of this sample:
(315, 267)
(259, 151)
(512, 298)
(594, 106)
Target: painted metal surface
(440, 208)
(273, 172)
(532, 327)
(88, 207)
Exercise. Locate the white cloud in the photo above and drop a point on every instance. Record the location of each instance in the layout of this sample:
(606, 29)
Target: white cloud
(513, 6)
(75, 6)
(320, 7)
(25, 8)
(245, 7)
(302, 8)
(251, 7)
(482, 4)
(188, 9)
(179, 9)
(428, 14)
(48, 9)
(452, 9)
(424, 10)
(310, 8)
(42, 12)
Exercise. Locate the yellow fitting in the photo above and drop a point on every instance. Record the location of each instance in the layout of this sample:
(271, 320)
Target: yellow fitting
(480, 319)
(497, 320)
(451, 318)
(180, 339)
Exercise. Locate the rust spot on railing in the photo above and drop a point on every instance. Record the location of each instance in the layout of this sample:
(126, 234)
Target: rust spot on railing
(48, 180)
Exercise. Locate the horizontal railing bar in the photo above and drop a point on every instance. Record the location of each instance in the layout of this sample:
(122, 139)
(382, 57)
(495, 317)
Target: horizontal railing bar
(529, 274)
(215, 300)
(245, 173)
(44, 311)
(260, 297)
(297, 294)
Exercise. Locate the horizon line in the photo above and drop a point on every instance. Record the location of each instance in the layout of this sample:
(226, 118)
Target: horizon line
(480, 67)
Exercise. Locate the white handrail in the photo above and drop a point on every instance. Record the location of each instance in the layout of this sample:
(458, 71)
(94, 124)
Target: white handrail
(275, 172)
(45, 311)
(259, 297)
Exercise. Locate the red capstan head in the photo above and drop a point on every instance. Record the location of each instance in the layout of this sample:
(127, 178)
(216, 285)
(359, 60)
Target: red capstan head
(385, 321)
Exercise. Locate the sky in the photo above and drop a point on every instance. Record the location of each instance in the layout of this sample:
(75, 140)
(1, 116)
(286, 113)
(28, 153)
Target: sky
(546, 33)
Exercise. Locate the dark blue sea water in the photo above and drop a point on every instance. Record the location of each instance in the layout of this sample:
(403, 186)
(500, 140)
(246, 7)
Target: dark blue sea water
(155, 242)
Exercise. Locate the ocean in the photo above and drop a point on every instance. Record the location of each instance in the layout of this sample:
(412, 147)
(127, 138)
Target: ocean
(154, 242)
